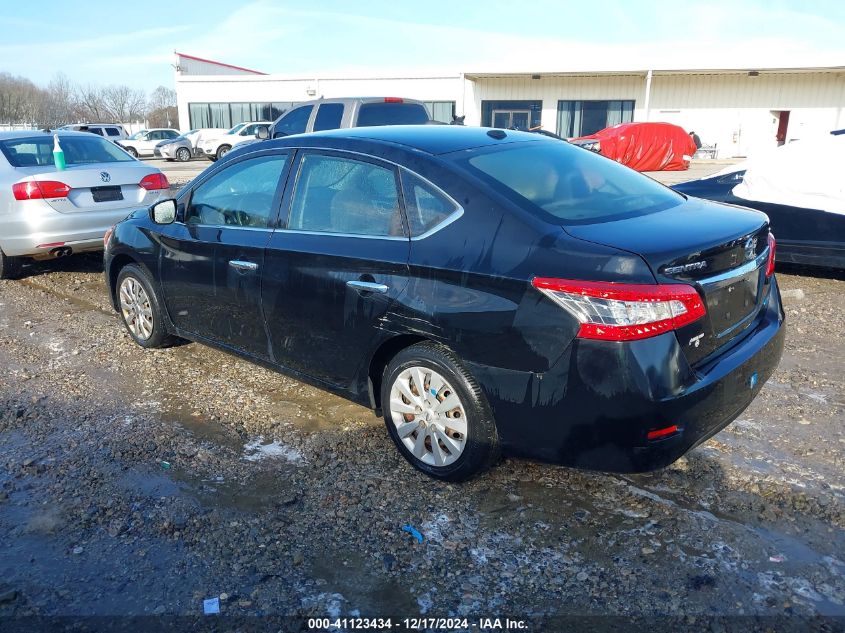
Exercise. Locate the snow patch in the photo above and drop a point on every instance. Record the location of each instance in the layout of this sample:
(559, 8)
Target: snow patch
(257, 450)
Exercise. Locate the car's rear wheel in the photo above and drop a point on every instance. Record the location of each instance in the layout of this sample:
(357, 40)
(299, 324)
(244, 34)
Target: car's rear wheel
(437, 415)
(10, 267)
(183, 154)
(132, 151)
(140, 309)
(223, 150)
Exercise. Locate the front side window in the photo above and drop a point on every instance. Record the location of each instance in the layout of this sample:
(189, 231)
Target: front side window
(167, 134)
(294, 122)
(565, 184)
(78, 150)
(239, 196)
(425, 206)
(339, 195)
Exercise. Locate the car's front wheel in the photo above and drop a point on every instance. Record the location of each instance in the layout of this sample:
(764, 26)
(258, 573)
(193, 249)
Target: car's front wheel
(437, 415)
(140, 308)
(132, 151)
(10, 267)
(223, 150)
(183, 154)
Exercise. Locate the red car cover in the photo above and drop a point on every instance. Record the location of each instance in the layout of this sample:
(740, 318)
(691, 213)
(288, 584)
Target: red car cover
(646, 146)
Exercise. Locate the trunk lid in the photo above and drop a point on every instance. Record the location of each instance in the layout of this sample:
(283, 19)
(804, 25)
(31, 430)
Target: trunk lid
(96, 187)
(720, 250)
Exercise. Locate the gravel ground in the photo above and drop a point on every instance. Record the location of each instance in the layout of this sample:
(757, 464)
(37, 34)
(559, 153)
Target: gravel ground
(140, 482)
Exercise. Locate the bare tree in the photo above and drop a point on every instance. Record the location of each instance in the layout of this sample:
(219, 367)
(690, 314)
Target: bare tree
(58, 106)
(161, 108)
(123, 103)
(90, 105)
(20, 100)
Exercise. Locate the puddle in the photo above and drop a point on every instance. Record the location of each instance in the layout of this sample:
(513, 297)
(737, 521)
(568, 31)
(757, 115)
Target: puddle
(362, 588)
(258, 449)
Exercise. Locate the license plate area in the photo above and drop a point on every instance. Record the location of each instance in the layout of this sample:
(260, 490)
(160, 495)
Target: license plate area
(107, 194)
(732, 301)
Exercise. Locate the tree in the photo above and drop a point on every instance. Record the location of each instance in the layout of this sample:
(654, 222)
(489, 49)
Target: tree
(161, 108)
(123, 103)
(59, 105)
(20, 100)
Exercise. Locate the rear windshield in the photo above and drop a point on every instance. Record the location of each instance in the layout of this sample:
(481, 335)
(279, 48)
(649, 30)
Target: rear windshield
(565, 184)
(78, 150)
(392, 114)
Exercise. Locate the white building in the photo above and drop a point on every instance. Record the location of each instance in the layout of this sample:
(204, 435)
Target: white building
(740, 110)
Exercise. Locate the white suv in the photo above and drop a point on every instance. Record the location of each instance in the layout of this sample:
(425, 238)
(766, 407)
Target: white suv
(109, 131)
(216, 146)
(143, 143)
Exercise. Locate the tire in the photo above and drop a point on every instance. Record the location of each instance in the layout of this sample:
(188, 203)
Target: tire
(141, 310)
(132, 151)
(462, 451)
(223, 150)
(10, 267)
(183, 154)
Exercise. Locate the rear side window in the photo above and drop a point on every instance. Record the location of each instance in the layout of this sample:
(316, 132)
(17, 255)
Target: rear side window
(329, 116)
(387, 113)
(78, 150)
(239, 196)
(566, 184)
(294, 122)
(112, 131)
(338, 195)
(425, 206)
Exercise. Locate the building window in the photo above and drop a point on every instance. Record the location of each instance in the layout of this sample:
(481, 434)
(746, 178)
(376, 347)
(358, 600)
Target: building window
(226, 115)
(522, 115)
(441, 110)
(581, 118)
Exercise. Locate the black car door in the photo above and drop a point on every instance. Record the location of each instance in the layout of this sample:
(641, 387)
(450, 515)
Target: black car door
(212, 258)
(336, 265)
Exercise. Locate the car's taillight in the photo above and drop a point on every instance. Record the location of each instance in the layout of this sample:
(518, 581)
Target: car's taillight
(154, 181)
(770, 264)
(39, 189)
(624, 312)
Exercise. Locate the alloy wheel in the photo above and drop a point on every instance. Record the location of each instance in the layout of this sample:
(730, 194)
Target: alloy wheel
(429, 416)
(136, 309)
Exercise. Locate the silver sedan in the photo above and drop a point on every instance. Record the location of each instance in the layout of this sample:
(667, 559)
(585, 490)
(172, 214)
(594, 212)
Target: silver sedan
(46, 212)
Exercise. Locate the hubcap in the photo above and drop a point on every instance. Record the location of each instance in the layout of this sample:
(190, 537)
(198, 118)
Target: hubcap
(136, 309)
(429, 416)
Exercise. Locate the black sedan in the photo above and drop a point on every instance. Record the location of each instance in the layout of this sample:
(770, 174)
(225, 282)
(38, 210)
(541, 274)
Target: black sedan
(484, 290)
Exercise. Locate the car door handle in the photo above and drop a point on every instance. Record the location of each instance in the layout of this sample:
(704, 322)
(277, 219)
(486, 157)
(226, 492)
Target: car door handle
(243, 266)
(367, 286)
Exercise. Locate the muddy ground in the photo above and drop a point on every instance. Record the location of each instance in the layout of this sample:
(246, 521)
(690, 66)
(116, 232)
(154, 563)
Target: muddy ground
(140, 482)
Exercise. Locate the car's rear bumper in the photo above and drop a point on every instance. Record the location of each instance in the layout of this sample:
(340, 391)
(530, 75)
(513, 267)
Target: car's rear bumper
(38, 229)
(595, 407)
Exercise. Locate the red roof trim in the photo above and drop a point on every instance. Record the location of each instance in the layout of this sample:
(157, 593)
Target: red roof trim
(211, 61)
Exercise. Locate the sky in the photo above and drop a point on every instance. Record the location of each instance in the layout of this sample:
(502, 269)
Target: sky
(98, 43)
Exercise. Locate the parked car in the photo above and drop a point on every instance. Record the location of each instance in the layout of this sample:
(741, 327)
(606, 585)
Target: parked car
(111, 131)
(799, 186)
(331, 114)
(643, 146)
(215, 146)
(46, 213)
(484, 290)
(180, 148)
(144, 143)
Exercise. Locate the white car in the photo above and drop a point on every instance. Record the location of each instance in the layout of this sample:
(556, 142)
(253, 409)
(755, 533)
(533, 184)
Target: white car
(47, 213)
(214, 147)
(144, 143)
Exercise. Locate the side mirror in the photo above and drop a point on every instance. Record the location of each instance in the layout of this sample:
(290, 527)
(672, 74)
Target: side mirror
(262, 133)
(163, 212)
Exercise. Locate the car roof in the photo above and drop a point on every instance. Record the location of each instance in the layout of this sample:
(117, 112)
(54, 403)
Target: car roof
(432, 139)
